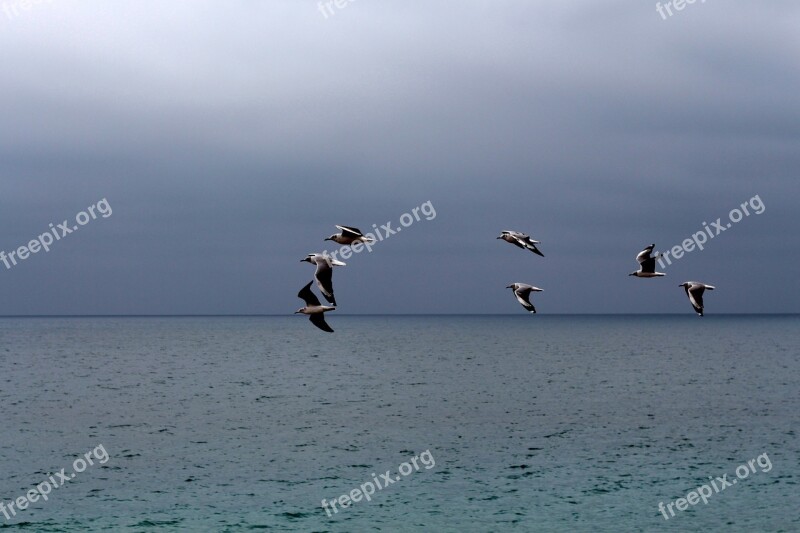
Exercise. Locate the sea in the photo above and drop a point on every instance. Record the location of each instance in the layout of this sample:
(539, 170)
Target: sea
(448, 423)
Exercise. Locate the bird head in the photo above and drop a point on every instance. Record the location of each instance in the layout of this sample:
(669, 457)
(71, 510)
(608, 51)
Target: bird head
(299, 310)
(332, 237)
(307, 260)
(510, 286)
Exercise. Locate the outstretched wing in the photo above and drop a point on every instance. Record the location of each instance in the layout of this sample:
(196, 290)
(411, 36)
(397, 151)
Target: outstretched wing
(695, 293)
(307, 296)
(324, 277)
(318, 320)
(523, 295)
(349, 231)
(644, 255)
(532, 247)
(649, 265)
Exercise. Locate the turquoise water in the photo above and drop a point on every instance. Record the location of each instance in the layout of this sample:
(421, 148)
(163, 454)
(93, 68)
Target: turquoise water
(535, 423)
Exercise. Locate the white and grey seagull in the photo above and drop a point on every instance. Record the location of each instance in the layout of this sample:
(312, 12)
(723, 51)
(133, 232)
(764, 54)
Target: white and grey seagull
(694, 290)
(520, 239)
(315, 311)
(647, 264)
(324, 274)
(523, 293)
(349, 235)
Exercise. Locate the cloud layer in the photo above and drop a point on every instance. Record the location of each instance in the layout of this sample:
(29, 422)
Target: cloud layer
(230, 138)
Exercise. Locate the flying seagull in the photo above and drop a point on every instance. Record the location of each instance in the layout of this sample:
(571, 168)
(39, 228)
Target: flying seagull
(313, 309)
(349, 235)
(647, 264)
(694, 290)
(323, 275)
(520, 239)
(523, 293)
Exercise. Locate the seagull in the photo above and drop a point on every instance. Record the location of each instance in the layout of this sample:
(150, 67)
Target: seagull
(695, 290)
(323, 275)
(349, 235)
(523, 293)
(313, 309)
(647, 264)
(520, 239)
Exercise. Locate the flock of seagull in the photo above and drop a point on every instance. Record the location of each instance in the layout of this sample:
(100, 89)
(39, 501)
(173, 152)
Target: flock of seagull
(323, 275)
(647, 269)
(522, 291)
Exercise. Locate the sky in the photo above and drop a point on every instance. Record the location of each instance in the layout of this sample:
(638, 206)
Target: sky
(228, 139)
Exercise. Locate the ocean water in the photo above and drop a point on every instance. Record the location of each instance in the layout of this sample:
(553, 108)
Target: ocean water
(527, 423)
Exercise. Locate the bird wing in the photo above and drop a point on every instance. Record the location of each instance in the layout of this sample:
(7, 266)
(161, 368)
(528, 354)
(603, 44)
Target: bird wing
(348, 231)
(307, 296)
(324, 277)
(648, 265)
(515, 241)
(644, 255)
(695, 293)
(332, 261)
(523, 295)
(318, 320)
(532, 247)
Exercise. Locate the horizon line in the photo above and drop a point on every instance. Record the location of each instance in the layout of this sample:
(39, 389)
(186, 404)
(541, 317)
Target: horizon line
(379, 314)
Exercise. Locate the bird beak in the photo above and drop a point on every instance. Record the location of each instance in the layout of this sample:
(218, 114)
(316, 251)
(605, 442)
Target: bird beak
(510, 286)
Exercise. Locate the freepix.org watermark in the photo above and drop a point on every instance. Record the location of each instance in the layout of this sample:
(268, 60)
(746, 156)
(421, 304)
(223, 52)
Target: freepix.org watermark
(383, 232)
(326, 6)
(704, 492)
(679, 5)
(699, 239)
(56, 233)
(14, 9)
(55, 481)
(366, 490)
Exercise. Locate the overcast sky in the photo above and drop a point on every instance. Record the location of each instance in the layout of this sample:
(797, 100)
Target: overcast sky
(229, 138)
